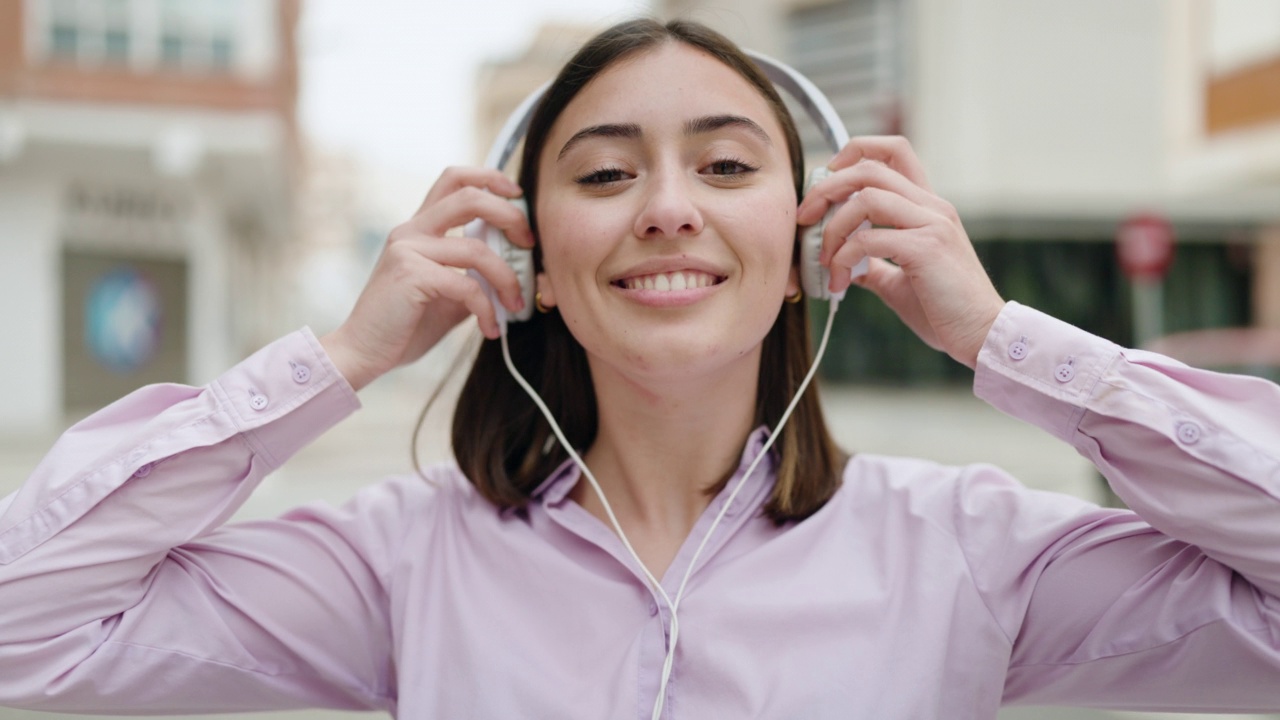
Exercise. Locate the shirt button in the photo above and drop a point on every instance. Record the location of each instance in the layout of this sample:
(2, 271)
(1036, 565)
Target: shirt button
(1064, 373)
(1018, 350)
(301, 373)
(142, 471)
(1188, 433)
(258, 401)
(653, 608)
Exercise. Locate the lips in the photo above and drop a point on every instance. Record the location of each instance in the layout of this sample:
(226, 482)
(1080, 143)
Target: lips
(670, 281)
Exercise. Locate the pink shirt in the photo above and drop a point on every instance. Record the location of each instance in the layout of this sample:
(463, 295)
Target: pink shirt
(918, 591)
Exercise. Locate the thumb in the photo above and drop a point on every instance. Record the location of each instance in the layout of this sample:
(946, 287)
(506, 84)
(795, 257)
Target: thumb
(890, 283)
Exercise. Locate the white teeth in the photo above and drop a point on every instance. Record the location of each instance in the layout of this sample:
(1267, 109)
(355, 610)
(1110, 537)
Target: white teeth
(663, 282)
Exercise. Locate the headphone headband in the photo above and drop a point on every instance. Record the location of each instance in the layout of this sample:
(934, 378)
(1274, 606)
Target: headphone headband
(815, 104)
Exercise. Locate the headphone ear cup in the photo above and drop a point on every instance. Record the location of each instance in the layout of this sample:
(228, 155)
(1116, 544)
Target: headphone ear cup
(814, 278)
(518, 259)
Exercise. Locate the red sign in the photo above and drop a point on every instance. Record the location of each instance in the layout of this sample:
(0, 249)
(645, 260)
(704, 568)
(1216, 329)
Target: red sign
(1144, 245)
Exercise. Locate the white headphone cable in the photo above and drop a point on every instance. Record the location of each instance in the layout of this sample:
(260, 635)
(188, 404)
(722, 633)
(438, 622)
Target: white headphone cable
(669, 661)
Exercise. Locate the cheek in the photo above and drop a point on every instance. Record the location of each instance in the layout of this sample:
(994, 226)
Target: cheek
(571, 248)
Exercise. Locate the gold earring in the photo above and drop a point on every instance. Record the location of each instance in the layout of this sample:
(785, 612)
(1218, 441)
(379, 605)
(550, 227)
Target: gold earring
(537, 302)
(793, 299)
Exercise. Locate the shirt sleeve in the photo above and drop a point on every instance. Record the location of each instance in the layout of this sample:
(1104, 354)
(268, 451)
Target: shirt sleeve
(119, 592)
(1172, 606)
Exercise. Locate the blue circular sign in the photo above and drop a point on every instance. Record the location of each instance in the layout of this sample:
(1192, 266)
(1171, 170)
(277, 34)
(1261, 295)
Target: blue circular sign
(122, 320)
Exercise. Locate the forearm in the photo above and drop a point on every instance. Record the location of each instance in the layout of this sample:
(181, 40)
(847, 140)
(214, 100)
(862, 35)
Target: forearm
(150, 472)
(1193, 452)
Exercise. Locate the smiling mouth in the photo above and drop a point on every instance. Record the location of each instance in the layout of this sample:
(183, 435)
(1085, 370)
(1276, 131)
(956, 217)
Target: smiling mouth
(668, 282)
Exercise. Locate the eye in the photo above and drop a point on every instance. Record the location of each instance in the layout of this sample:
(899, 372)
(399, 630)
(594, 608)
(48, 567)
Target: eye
(603, 176)
(728, 167)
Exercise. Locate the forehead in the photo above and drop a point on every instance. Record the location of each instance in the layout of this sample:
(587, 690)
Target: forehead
(664, 86)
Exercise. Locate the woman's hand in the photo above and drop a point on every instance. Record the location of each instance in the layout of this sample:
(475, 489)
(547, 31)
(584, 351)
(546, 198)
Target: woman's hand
(418, 290)
(935, 282)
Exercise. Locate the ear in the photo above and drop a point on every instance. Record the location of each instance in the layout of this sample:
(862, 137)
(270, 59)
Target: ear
(544, 287)
(793, 282)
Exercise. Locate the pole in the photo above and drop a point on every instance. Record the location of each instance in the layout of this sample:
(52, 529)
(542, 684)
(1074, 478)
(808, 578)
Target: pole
(1148, 310)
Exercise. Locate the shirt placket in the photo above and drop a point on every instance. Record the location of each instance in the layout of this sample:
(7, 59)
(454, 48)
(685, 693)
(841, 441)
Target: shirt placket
(657, 630)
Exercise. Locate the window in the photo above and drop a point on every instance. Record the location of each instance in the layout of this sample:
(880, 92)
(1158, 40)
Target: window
(186, 35)
(64, 29)
(198, 34)
(115, 31)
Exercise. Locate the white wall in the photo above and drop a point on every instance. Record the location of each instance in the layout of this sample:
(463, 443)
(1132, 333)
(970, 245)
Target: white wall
(1039, 106)
(30, 304)
(1241, 33)
(209, 343)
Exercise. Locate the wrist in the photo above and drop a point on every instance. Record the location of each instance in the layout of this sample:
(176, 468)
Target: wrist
(348, 361)
(974, 347)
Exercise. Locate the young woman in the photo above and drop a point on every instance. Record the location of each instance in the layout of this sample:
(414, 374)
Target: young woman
(662, 176)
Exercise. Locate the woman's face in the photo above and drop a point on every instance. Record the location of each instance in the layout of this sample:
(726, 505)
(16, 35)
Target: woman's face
(666, 216)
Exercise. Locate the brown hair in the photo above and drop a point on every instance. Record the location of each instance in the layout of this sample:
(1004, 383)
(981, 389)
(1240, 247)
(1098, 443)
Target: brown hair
(502, 442)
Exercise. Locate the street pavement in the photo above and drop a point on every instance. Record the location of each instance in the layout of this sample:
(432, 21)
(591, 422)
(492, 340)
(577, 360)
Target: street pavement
(944, 424)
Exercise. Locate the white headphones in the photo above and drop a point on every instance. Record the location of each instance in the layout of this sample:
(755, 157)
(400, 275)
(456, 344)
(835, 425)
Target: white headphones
(814, 278)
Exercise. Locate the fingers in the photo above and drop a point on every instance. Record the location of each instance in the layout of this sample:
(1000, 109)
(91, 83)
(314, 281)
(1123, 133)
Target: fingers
(458, 177)
(880, 207)
(844, 183)
(892, 150)
(466, 254)
(469, 203)
(465, 290)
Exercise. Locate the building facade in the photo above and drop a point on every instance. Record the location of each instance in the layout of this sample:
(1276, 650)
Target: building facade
(1047, 124)
(502, 83)
(147, 154)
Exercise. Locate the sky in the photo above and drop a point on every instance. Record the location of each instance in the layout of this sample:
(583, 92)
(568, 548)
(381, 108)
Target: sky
(390, 81)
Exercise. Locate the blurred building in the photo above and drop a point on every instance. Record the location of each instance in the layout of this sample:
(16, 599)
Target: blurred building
(1229, 101)
(503, 82)
(147, 149)
(1047, 124)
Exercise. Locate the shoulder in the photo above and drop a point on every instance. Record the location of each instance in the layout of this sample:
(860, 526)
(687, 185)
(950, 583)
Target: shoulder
(960, 498)
(438, 488)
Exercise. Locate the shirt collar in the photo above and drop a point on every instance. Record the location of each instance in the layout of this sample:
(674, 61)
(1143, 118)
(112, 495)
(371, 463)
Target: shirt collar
(563, 479)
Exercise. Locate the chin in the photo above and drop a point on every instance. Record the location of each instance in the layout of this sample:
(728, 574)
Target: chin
(685, 353)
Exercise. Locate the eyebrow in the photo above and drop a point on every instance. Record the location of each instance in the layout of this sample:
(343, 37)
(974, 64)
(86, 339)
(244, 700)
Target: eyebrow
(696, 126)
(608, 130)
(711, 123)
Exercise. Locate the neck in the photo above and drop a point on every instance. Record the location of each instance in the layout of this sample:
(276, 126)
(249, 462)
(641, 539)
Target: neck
(660, 445)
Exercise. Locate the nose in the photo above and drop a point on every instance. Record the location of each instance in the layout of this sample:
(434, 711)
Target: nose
(669, 209)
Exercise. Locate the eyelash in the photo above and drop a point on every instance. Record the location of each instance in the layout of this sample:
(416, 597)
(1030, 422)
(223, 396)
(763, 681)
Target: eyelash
(598, 177)
(743, 167)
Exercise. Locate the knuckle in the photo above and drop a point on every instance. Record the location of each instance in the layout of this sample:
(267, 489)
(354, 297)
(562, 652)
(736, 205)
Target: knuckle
(933, 241)
(471, 195)
(398, 234)
(474, 292)
(476, 250)
(949, 210)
